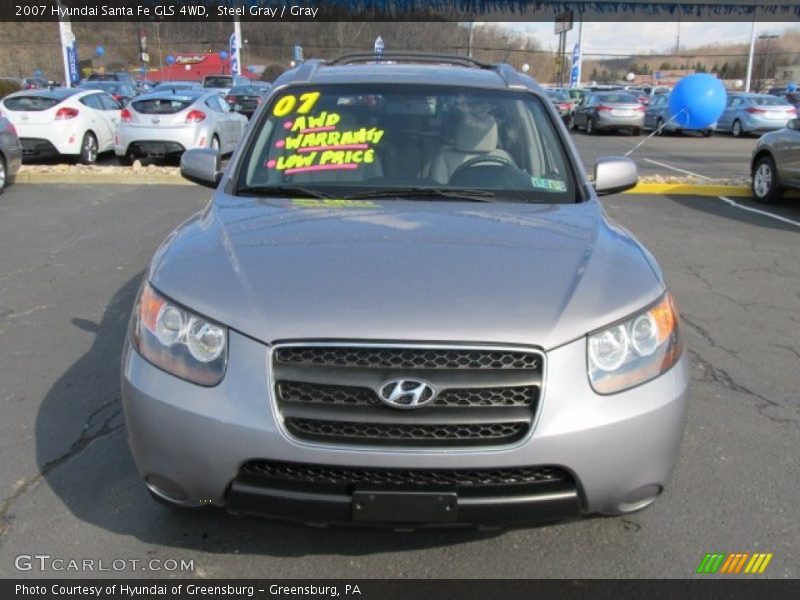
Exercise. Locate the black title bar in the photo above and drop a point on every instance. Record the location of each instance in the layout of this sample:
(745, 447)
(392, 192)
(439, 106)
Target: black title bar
(403, 10)
(712, 588)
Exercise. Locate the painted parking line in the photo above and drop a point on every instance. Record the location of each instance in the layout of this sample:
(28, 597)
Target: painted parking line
(679, 170)
(759, 212)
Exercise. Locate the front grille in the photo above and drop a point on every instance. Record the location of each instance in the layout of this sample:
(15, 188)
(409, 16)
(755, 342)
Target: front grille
(398, 434)
(293, 391)
(331, 394)
(271, 472)
(406, 358)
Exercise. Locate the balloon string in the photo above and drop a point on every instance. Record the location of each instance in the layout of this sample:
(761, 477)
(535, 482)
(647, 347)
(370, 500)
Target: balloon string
(656, 131)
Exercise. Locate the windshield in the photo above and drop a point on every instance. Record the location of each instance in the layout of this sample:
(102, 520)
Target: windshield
(558, 95)
(768, 101)
(163, 106)
(31, 103)
(218, 82)
(614, 98)
(357, 139)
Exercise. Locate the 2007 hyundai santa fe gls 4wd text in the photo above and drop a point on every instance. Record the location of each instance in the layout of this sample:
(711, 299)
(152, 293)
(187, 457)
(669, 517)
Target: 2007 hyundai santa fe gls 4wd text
(404, 305)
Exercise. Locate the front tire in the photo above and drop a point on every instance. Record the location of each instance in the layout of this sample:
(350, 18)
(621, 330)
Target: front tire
(736, 129)
(3, 174)
(88, 155)
(766, 185)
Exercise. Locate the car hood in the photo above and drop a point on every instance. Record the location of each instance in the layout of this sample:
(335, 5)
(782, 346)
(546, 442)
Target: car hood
(278, 269)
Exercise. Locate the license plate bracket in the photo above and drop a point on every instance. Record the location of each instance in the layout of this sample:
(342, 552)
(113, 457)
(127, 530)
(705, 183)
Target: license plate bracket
(405, 507)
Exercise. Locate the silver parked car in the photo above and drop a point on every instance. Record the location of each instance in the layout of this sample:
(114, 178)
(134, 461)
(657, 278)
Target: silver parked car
(163, 124)
(405, 305)
(755, 113)
(10, 153)
(658, 117)
(609, 111)
(775, 165)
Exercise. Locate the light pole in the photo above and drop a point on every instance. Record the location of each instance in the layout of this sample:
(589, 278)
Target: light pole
(768, 37)
(750, 57)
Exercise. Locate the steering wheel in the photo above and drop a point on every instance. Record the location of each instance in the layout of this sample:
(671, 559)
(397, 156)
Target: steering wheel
(484, 159)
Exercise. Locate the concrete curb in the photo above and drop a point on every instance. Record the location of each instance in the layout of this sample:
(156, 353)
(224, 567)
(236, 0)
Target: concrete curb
(126, 177)
(691, 189)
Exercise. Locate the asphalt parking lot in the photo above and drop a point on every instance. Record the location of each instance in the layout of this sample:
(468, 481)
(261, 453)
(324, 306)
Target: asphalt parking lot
(71, 257)
(720, 156)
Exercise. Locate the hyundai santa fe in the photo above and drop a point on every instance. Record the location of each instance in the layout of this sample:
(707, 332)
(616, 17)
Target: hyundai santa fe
(404, 306)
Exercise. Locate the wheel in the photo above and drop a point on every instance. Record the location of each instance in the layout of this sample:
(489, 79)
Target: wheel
(590, 130)
(88, 154)
(659, 126)
(3, 174)
(214, 143)
(736, 130)
(766, 185)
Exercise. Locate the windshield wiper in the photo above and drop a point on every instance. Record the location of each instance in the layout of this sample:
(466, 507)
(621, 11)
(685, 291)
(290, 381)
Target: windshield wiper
(452, 194)
(275, 191)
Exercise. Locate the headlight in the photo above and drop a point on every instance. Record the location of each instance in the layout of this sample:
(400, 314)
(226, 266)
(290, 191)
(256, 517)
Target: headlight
(635, 350)
(177, 340)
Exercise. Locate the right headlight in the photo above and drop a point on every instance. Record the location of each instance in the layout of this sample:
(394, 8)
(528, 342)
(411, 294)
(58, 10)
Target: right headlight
(635, 350)
(177, 340)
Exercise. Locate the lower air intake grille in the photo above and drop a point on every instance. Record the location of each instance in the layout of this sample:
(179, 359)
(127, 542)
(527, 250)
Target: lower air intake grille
(277, 472)
(417, 434)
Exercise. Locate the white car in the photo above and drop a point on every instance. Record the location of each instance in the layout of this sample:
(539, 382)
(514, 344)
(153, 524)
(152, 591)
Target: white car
(164, 124)
(63, 122)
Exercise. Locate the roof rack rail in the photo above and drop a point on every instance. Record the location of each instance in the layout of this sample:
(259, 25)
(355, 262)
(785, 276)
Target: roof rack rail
(427, 57)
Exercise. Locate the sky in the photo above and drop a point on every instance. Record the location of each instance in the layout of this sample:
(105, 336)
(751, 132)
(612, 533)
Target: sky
(643, 37)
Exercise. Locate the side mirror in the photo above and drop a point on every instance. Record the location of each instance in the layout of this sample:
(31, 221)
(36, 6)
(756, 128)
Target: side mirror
(201, 166)
(614, 174)
(794, 124)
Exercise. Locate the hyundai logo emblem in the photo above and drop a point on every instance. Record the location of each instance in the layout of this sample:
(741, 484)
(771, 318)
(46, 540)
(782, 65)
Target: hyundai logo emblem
(407, 393)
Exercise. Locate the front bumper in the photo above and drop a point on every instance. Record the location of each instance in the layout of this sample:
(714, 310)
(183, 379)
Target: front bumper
(191, 443)
(159, 141)
(753, 124)
(604, 121)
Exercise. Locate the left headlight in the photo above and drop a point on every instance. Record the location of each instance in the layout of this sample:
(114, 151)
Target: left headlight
(635, 350)
(177, 340)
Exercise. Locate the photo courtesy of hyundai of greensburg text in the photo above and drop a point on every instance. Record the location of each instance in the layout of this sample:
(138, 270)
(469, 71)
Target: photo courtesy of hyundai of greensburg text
(346, 298)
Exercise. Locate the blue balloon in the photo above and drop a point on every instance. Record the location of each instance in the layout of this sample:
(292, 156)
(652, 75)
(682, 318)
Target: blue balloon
(169, 59)
(792, 87)
(223, 55)
(100, 51)
(697, 101)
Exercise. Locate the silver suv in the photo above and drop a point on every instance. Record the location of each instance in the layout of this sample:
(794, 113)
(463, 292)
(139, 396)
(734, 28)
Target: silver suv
(405, 306)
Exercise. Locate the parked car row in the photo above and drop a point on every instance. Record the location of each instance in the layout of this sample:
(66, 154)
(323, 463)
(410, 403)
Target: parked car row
(106, 114)
(624, 110)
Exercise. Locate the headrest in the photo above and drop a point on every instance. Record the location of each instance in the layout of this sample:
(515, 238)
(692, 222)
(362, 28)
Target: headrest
(476, 134)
